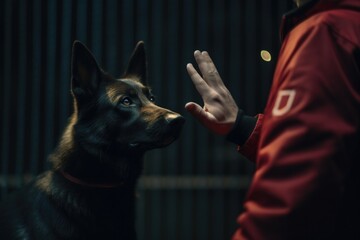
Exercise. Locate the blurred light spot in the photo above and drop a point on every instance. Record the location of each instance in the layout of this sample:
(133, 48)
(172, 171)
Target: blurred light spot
(265, 55)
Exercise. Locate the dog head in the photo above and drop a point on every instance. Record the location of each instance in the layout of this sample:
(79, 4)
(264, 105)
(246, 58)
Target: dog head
(118, 115)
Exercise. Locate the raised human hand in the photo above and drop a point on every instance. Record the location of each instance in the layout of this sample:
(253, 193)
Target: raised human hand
(220, 110)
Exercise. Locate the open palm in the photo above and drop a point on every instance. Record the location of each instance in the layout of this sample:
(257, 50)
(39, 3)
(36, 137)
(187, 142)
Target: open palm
(220, 110)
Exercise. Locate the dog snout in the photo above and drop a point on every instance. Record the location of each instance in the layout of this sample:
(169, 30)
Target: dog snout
(174, 120)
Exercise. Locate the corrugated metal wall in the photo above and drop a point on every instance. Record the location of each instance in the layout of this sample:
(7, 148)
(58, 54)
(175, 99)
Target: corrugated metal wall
(191, 190)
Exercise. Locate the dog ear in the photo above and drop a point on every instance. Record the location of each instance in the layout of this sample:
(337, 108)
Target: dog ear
(137, 63)
(86, 73)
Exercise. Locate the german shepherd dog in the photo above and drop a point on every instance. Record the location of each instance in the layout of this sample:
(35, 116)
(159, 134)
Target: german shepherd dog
(89, 193)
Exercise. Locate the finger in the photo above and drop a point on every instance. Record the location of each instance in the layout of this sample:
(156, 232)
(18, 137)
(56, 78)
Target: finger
(212, 72)
(190, 105)
(207, 68)
(202, 64)
(199, 83)
(199, 113)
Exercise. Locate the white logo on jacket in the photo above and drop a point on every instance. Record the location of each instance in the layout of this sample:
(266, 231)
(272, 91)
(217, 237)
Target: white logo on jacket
(284, 102)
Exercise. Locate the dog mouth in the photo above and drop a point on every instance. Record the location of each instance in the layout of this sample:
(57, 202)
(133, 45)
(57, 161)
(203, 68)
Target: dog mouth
(151, 145)
(158, 139)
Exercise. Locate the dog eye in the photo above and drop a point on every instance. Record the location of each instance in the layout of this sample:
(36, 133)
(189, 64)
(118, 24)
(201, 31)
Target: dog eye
(126, 101)
(152, 98)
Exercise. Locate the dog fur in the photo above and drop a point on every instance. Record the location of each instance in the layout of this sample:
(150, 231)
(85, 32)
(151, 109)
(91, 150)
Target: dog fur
(89, 193)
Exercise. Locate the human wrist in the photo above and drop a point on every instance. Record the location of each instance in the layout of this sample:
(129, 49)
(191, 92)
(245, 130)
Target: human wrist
(242, 128)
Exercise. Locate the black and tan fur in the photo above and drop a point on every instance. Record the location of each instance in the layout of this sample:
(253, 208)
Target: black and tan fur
(89, 191)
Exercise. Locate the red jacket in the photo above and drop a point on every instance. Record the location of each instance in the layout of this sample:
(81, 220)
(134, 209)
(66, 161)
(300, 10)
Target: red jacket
(307, 143)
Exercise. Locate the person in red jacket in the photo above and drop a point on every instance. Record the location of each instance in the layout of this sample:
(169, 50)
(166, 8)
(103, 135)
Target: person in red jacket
(306, 144)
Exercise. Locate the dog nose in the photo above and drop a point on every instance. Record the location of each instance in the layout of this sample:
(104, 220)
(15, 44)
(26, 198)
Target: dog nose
(175, 120)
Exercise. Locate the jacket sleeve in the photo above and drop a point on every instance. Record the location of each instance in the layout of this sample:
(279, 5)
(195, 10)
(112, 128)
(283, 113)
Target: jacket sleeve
(246, 133)
(306, 151)
(250, 148)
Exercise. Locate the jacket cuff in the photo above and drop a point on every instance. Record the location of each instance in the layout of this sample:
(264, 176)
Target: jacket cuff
(242, 129)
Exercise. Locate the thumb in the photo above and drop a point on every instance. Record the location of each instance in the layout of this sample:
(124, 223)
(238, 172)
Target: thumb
(197, 111)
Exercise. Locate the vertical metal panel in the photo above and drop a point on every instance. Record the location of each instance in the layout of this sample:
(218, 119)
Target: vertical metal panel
(21, 94)
(36, 52)
(217, 212)
(156, 59)
(127, 29)
(234, 65)
(81, 20)
(111, 35)
(186, 201)
(96, 30)
(250, 54)
(50, 78)
(142, 20)
(171, 72)
(267, 39)
(202, 152)
(5, 113)
(171, 76)
(65, 55)
(189, 197)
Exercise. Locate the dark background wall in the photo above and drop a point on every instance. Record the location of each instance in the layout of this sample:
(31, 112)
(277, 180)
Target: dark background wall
(193, 189)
